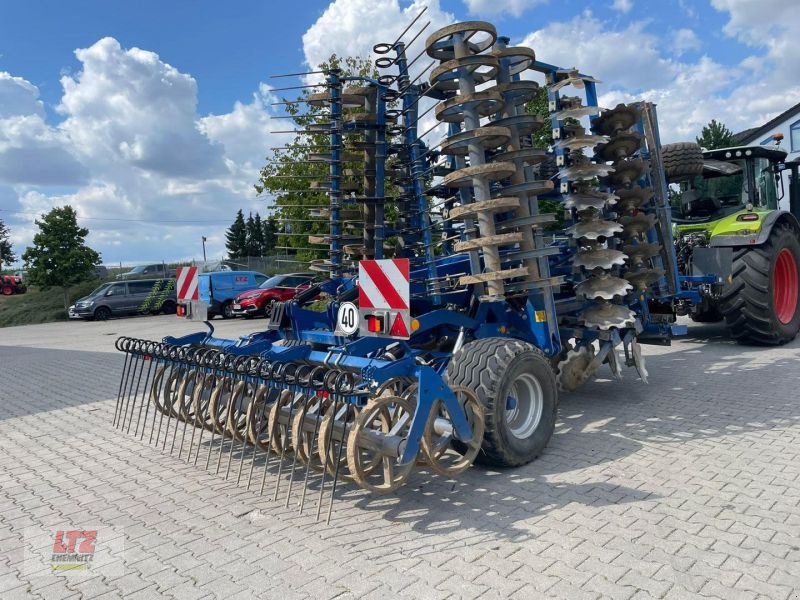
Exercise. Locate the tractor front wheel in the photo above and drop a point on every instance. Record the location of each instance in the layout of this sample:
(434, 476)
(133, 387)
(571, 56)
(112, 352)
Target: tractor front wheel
(762, 304)
(517, 387)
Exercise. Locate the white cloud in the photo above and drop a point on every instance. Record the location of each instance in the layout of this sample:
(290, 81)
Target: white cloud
(144, 171)
(488, 8)
(685, 40)
(18, 97)
(623, 6)
(353, 27)
(629, 57)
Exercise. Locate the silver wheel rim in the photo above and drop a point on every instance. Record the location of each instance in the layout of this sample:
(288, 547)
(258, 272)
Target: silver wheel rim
(524, 417)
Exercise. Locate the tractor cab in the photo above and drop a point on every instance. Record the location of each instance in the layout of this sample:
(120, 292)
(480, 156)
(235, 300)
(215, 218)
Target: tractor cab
(733, 180)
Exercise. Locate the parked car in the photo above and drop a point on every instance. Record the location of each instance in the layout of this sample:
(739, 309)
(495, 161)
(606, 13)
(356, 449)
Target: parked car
(126, 298)
(12, 284)
(147, 272)
(218, 289)
(280, 287)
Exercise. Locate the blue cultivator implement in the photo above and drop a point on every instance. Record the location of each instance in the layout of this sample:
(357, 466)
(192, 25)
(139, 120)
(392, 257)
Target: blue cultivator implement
(447, 329)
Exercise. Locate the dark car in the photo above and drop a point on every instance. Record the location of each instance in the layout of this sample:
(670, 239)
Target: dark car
(279, 287)
(147, 272)
(126, 298)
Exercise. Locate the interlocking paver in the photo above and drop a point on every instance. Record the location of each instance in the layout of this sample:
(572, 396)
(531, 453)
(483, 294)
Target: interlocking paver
(686, 488)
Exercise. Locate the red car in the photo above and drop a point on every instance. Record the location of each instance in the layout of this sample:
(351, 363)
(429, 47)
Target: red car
(280, 287)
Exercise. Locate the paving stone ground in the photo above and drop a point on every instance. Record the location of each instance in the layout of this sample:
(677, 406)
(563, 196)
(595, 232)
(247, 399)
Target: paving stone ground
(688, 487)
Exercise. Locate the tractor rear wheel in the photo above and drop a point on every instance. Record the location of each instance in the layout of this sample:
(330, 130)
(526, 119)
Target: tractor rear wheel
(517, 387)
(762, 305)
(684, 159)
(7, 290)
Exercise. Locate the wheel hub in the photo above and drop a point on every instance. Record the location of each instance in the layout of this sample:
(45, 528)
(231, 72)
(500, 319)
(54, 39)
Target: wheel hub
(785, 286)
(524, 406)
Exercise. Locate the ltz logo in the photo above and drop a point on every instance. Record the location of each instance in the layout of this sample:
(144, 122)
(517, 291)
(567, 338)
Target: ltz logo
(73, 549)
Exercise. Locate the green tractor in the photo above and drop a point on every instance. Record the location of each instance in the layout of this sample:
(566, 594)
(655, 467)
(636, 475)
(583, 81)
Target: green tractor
(738, 254)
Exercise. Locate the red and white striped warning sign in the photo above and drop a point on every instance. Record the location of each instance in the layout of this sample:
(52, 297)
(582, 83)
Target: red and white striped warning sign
(384, 284)
(188, 283)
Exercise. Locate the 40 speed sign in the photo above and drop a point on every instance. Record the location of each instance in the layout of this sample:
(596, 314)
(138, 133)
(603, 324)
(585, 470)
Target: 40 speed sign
(347, 319)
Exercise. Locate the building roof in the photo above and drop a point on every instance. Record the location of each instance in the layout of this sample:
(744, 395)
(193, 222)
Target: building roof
(753, 134)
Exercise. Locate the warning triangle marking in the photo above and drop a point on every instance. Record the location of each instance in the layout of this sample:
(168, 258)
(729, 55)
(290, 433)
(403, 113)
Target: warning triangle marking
(399, 328)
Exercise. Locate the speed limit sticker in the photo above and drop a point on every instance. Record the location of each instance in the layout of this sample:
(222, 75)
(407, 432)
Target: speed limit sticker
(347, 319)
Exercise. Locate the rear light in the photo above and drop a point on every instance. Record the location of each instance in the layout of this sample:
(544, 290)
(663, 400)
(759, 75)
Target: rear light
(181, 310)
(375, 324)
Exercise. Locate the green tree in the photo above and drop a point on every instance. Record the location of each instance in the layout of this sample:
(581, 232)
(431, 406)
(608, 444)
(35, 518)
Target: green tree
(716, 135)
(6, 255)
(258, 236)
(236, 237)
(59, 256)
(250, 245)
(270, 234)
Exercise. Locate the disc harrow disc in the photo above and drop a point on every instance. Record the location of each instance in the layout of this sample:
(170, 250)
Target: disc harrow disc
(593, 229)
(606, 287)
(523, 124)
(565, 77)
(589, 199)
(599, 258)
(605, 316)
(641, 279)
(637, 225)
(491, 171)
(621, 146)
(480, 68)
(584, 171)
(634, 198)
(627, 172)
(581, 141)
(617, 119)
(639, 253)
(517, 92)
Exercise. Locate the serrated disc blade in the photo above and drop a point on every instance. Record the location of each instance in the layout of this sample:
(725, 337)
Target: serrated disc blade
(581, 141)
(637, 225)
(627, 172)
(600, 258)
(593, 229)
(621, 146)
(606, 316)
(633, 198)
(585, 171)
(603, 286)
(638, 253)
(589, 199)
(643, 278)
(617, 119)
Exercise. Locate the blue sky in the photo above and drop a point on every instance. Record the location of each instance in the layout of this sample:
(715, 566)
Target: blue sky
(163, 113)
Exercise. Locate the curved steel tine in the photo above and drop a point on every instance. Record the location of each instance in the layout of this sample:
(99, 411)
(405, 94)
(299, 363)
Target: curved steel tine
(148, 357)
(120, 346)
(325, 454)
(137, 363)
(249, 380)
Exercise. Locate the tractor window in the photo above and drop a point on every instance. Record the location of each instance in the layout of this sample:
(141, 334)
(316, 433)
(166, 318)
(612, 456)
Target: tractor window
(764, 175)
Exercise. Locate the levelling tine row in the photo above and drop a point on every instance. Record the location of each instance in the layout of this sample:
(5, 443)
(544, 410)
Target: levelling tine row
(253, 408)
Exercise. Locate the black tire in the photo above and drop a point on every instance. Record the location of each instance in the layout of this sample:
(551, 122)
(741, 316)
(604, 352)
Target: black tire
(684, 159)
(489, 367)
(227, 311)
(168, 308)
(102, 313)
(748, 303)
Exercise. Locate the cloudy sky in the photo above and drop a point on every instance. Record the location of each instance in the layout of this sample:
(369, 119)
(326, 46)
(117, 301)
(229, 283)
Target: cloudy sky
(153, 118)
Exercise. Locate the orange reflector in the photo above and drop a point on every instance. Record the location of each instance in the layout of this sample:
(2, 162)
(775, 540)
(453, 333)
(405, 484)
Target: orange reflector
(399, 328)
(181, 311)
(374, 324)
